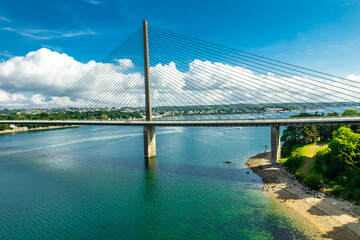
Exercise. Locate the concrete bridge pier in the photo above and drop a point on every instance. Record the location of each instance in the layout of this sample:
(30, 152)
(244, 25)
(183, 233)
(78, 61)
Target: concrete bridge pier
(275, 144)
(149, 141)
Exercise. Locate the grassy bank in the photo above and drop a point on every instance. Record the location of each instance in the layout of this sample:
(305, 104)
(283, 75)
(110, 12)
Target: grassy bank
(312, 169)
(312, 154)
(297, 158)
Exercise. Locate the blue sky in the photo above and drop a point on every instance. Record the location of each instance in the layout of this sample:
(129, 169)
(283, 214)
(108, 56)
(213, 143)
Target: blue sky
(322, 34)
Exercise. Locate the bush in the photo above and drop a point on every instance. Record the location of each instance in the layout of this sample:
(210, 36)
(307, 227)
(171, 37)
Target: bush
(348, 195)
(332, 183)
(336, 190)
(333, 169)
(5, 127)
(294, 162)
(322, 159)
(300, 176)
(356, 195)
(314, 182)
(354, 202)
(286, 149)
(354, 177)
(342, 179)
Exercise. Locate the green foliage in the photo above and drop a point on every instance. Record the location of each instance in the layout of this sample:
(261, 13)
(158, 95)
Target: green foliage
(104, 117)
(353, 178)
(336, 190)
(4, 127)
(9, 111)
(287, 148)
(235, 108)
(68, 115)
(309, 134)
(294, 162)
(325, 132)
(333, 114)
(292, 135)
(350, 112)
(342, 179)
(313, 181)
(321, 160)
(338, 164)
(345, 148)
(299, 175)
(356, 194)
(332, 183)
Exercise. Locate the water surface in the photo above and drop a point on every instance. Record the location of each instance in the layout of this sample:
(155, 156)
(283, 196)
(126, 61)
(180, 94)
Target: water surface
(92, 183)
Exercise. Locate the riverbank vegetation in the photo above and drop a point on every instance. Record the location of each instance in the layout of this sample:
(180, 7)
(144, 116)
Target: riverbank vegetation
(4, 127)
(295, 164)
(335, 167)
(67, 115)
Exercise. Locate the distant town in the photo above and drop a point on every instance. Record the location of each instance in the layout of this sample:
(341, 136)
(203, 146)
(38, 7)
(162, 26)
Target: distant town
(170, 111)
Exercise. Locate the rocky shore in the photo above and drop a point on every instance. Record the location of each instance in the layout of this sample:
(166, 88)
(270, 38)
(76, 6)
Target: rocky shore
(332, 218)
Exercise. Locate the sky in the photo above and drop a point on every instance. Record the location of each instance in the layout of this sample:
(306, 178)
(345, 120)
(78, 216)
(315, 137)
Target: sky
(75, 34)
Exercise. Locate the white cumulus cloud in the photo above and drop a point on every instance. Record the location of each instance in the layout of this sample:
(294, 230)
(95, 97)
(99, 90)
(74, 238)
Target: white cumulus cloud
(44, 75)
(124, 64)
(12, 99)
(38, 99)
(43, 71)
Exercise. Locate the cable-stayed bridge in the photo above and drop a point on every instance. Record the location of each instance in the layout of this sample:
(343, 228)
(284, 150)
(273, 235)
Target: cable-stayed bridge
(183, 81)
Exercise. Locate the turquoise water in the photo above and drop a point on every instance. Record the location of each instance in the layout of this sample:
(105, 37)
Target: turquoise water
(93, 183)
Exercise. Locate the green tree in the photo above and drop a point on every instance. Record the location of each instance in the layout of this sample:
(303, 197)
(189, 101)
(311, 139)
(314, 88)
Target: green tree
(104, 117)
(345, 148)
(314, 182)
(309, 134)
(350, 112)
(333, 114)
(291, 134)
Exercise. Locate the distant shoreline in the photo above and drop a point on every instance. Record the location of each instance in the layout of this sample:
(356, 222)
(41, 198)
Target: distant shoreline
(332, 218)
(25, 129)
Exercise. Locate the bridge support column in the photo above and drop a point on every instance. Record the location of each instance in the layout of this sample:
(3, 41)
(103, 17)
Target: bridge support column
(275, 144)
(149, 141)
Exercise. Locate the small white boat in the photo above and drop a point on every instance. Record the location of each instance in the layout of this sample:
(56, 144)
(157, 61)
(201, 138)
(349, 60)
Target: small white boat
(225, 131)
(239, 128)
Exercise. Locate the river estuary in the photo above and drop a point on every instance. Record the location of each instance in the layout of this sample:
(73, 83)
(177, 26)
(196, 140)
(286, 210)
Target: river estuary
(92, 183)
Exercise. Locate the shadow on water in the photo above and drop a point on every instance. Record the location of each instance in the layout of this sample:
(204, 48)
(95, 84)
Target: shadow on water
(150, 178)
(150, 193)
(150, 164)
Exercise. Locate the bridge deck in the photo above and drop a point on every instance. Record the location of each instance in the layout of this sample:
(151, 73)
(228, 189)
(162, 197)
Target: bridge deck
(319, 121)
